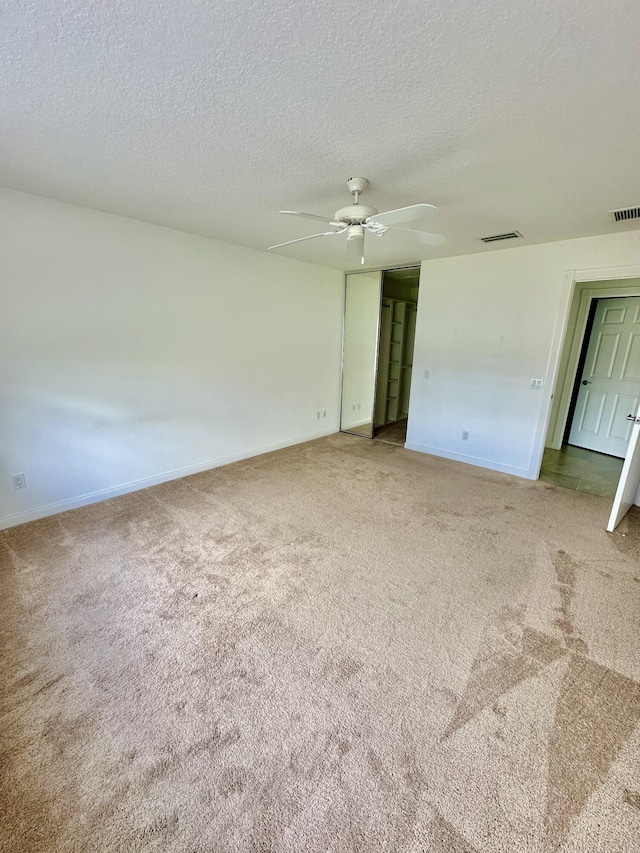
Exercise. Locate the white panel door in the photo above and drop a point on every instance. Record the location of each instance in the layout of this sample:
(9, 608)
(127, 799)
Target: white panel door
(628, 491)
(610, 381)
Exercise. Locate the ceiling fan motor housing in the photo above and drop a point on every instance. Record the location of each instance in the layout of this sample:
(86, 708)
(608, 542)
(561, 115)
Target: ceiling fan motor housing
(354, 213)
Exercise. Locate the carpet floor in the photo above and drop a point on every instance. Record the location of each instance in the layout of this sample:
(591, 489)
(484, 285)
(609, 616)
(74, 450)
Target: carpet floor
(340, 647)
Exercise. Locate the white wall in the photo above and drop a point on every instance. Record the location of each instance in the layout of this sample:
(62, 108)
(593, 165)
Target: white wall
(131, 353)
(487, 324)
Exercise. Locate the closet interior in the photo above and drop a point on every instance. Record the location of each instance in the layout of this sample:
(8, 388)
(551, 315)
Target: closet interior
(395, 353)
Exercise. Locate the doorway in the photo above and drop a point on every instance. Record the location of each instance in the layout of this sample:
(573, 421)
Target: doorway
(395, 354)
(581, 470)
(572, 358)
(607, 384)
(590, 427)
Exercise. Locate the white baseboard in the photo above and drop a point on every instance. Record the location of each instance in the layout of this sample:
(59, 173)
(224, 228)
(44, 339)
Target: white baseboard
(473, 460)
(125, 488)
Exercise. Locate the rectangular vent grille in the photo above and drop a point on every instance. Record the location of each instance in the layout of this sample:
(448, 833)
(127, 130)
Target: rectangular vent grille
(510, 235)
(626, 213)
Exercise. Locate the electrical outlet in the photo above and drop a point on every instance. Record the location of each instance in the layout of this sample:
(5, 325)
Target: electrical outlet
(536, 383)
(324, 413)
(465, 435)
(19, 481)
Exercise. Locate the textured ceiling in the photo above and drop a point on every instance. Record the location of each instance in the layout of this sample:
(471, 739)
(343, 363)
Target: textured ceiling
(210, 115)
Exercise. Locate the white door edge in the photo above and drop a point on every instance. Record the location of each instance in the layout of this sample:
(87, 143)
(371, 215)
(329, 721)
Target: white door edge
(628, 491)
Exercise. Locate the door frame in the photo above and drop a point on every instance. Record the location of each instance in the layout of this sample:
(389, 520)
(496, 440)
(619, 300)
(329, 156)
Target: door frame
(582, 287)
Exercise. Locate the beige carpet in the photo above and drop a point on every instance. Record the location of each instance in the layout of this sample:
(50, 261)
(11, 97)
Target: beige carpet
(342, 646)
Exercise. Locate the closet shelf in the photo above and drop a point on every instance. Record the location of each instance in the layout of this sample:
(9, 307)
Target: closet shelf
(397, 329)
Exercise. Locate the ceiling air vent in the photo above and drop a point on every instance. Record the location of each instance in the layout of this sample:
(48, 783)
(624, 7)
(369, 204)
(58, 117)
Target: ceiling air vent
(625, 213)
(510, 235)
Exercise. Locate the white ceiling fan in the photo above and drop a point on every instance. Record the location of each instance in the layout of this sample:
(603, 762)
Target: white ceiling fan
(356, 219)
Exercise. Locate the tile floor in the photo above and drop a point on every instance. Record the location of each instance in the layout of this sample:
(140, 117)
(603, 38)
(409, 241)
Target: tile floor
(584, 470)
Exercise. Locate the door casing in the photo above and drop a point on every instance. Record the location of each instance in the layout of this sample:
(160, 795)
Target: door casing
(584, 290)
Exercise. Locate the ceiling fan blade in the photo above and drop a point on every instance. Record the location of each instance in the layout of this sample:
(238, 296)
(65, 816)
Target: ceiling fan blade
(311, 216)
(300, 239)
(355, 249)
(423, 237)
(405, 214)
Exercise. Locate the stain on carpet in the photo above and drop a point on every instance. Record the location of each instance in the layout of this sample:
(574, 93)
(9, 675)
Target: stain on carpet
(596, 713)
(508, 654)
(340, 670)
(565, 568)
(446, 839)
(632, 798)
(232, 781)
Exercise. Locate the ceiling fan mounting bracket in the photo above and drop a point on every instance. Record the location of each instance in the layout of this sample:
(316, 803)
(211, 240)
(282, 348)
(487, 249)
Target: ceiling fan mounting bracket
(357, 185)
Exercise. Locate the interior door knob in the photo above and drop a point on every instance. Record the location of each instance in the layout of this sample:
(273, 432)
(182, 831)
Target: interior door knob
(586, 382)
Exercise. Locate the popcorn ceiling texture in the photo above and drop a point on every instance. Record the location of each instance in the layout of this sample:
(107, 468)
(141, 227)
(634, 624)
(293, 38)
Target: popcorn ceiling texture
(210, 116)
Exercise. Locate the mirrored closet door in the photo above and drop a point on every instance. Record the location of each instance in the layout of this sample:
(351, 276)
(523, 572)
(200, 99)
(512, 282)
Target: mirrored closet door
(360, 351)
